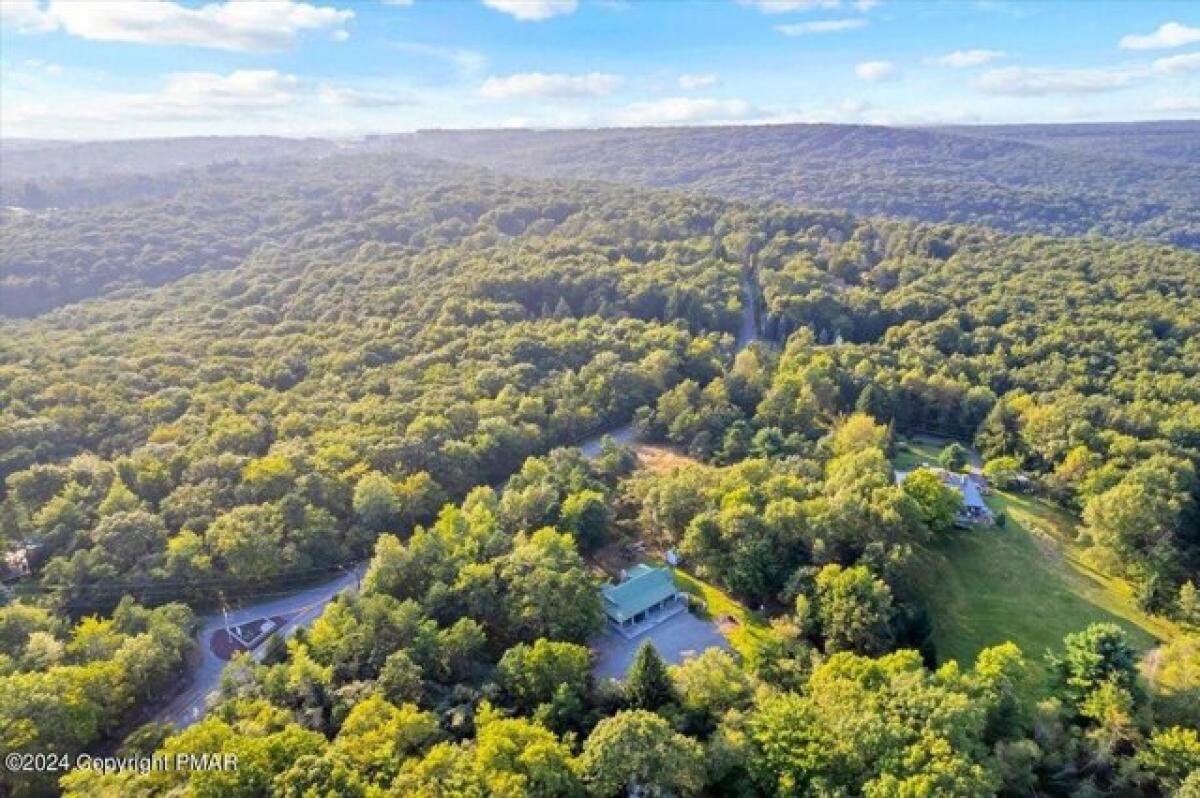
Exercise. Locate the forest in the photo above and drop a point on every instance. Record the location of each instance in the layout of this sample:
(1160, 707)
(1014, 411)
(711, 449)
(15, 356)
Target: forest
(284, 369)
(1134, 181)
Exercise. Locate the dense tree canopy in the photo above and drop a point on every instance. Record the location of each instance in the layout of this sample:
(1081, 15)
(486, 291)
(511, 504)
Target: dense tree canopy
(376, 359)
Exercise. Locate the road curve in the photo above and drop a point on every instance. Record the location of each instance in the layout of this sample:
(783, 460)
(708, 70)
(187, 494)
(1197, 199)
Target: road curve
(300, 608)
(303, 607)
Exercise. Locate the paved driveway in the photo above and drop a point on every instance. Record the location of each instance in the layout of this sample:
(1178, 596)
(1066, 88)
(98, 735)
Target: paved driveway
(678, 638)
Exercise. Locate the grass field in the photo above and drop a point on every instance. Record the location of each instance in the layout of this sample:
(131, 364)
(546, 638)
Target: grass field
(661, 459)
(911, 454)
(1028, 582)
(751, 628)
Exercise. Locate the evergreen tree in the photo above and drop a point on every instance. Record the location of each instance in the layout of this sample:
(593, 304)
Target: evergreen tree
(1189, 604)
(275, 650)
(648, 685)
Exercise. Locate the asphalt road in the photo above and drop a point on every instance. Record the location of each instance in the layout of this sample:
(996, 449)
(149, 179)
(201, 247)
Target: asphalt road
(303, 607)
(300, 608)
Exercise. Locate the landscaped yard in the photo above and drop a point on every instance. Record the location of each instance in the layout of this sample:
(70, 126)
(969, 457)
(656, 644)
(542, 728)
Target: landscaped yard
(1028, 582)
(749, 627)
(910, 454)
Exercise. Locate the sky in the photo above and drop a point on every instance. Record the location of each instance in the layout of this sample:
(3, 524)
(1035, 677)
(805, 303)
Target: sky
(107, 69)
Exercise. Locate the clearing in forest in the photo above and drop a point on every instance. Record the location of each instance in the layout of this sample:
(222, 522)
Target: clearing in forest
(1027, 582)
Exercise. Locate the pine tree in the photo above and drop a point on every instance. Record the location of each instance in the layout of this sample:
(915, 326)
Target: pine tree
(648, 685)
(1189, 604)
(275, 650)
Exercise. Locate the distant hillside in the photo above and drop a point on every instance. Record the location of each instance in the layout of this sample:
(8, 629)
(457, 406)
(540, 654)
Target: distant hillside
(1123, 181)
(204, 219)
(58, 174)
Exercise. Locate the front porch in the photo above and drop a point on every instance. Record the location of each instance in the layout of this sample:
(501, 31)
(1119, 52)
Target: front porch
(651, 617)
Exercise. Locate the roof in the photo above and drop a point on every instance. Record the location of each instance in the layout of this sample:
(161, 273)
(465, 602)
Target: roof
(644, 586)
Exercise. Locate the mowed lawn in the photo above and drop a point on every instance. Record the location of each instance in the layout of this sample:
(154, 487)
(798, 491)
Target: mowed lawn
(750, 630)
(1027, 582)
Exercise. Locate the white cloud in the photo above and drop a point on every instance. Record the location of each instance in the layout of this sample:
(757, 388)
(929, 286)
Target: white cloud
(533, 10)
(694, 82)
(184, 96)
(44, 66)
(1169, 34)
(684, 111)
(786, 6)
(866, 5)
(353, 98)
(190, 93)
(875, 71)
(397, 2)
(1034, 82)
(235, 25)
(820, 26)
(466, 61)
(961, 59)
(544, 85)
(1178, 102)
(1177, 64)
(26, 16)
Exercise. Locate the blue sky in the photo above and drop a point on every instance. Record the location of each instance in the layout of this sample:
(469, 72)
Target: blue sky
(115, 70)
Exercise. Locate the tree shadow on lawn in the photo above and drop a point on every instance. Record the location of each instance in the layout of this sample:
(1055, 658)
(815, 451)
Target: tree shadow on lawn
(1023, 583)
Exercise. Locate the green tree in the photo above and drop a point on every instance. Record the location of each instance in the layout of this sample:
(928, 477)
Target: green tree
(647, 684)
(378, 736)
(1002, 472)
(711, 684)
(858, 432)
(119, 499)
(953, 457)
(586, 516)
(128, 537)
(517, 757)
(1098, 655)
(854, 610)
(872, 726)
(638, 751)
(1188, 604)
(328, 775)
(400, 679)
(1171, 754)
(375, 503)
(939, 505)
(550, 592)
(533, 674)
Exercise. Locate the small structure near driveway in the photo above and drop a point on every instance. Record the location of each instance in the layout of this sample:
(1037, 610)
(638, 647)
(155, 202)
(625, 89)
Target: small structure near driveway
(245, 636)
(645, 597)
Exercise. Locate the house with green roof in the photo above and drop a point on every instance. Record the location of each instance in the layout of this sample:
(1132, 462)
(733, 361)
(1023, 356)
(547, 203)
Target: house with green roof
(644, 596)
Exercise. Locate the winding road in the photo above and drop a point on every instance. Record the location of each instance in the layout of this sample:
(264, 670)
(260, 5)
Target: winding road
(304, 606)
(300, 608)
